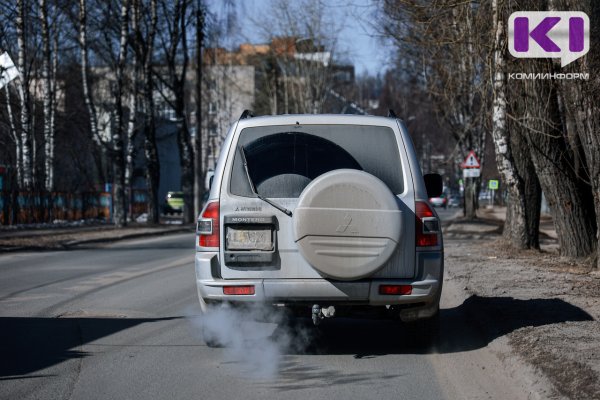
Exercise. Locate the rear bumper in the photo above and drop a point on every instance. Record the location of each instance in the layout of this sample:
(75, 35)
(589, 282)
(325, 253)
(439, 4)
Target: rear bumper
(426, 288)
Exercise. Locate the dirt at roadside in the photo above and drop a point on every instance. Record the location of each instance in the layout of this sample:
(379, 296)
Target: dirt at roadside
(547, 307)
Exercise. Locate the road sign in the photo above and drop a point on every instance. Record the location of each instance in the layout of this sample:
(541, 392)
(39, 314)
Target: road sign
(493, 184)
(471, 161)
(471, 173)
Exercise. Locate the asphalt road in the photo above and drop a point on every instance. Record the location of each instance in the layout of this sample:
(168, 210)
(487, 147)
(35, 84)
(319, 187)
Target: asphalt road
(122, 321)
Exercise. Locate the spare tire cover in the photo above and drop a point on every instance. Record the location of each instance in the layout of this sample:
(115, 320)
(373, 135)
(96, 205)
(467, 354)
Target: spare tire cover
(347, 224)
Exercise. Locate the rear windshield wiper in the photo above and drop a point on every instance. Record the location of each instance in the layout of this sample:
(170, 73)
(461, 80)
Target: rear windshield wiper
(253, 188)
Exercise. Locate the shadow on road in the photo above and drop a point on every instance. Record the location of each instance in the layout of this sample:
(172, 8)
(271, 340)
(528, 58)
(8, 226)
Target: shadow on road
(31, 344)
(470, 326)
(28, 345)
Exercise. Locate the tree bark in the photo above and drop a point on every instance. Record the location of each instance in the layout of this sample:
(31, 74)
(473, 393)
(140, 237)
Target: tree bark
(174, 92)
(532, 191)
(470, 207)
(582, 109)
(87, 95)
(150, 151)
(23, 86)
(198, 163)
(515, 226)
(53, 106)
(119, 204)
(132, 104)
(553, 160)
(47, 99)
(15, 136)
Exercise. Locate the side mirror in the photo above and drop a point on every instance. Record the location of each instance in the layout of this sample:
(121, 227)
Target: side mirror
(434, 185)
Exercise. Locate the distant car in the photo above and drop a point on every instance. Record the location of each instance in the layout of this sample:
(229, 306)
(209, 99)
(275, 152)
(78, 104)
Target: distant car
(441, 201)
(173, 203)
(485, 196)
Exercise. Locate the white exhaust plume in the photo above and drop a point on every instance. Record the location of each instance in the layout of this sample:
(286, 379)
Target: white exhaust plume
(255, 338)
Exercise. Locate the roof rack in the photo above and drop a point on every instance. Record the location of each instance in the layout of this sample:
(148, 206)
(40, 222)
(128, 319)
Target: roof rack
(247, 114)
(391, 113)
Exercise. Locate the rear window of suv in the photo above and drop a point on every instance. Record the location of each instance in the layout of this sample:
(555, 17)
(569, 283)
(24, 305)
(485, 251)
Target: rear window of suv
(282, 160)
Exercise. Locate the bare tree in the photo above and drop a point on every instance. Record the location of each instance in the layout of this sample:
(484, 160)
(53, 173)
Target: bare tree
(296, 74)
(87, 94)
(120, 209)
(47, 97)
(515, 228)
(199, 170)
(23, 87)
(174, 45)
(443, 41)
(582, 111)
(150, 151)
(14, 135)
(133, 96)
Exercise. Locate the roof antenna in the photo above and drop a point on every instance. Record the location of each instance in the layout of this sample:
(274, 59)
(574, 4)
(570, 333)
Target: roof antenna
(247, 114)
(391, 113)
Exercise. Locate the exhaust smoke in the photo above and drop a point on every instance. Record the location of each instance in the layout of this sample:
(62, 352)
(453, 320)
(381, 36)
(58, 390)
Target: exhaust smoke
(255, 338)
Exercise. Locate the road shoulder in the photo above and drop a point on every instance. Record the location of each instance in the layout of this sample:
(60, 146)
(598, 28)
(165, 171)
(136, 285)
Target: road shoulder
(538, 312)
(76, 237)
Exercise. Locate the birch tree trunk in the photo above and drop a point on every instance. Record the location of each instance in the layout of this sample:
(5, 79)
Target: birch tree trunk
(119, 204)
(515, 226)
(87, 95)
(132, 105)
(47, 98)
(53, 106)
(14, 135)
(23, 87)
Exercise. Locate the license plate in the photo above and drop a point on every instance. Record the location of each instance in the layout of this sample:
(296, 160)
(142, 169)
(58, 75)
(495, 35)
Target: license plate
(255, 238)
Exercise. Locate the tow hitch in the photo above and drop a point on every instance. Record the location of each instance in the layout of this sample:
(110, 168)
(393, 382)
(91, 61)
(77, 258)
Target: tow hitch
(319, 313)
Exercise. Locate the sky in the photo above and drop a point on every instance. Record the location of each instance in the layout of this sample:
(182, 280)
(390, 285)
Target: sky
(358, 43)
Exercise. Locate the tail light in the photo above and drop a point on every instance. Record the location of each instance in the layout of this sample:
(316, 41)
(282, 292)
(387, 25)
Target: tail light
(427, 225)
(395, 289)
(208, 228)
(239, 290)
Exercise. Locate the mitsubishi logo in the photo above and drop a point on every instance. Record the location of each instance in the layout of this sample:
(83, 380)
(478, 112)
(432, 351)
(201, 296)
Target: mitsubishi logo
(346, 224)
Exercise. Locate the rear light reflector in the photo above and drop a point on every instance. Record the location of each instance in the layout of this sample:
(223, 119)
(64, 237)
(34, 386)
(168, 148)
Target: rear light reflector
(238, 290)
(208, 228)
(427, 225)
(395, 289)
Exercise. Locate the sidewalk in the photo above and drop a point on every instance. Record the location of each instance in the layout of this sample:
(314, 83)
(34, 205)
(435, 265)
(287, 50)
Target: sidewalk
(540, 310)
(491, 221)
(65, 237)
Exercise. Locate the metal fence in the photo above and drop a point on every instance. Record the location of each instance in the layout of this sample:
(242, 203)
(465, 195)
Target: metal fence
(37, 208)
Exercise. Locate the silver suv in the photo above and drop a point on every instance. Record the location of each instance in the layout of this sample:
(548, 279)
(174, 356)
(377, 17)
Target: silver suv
(324, 214)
